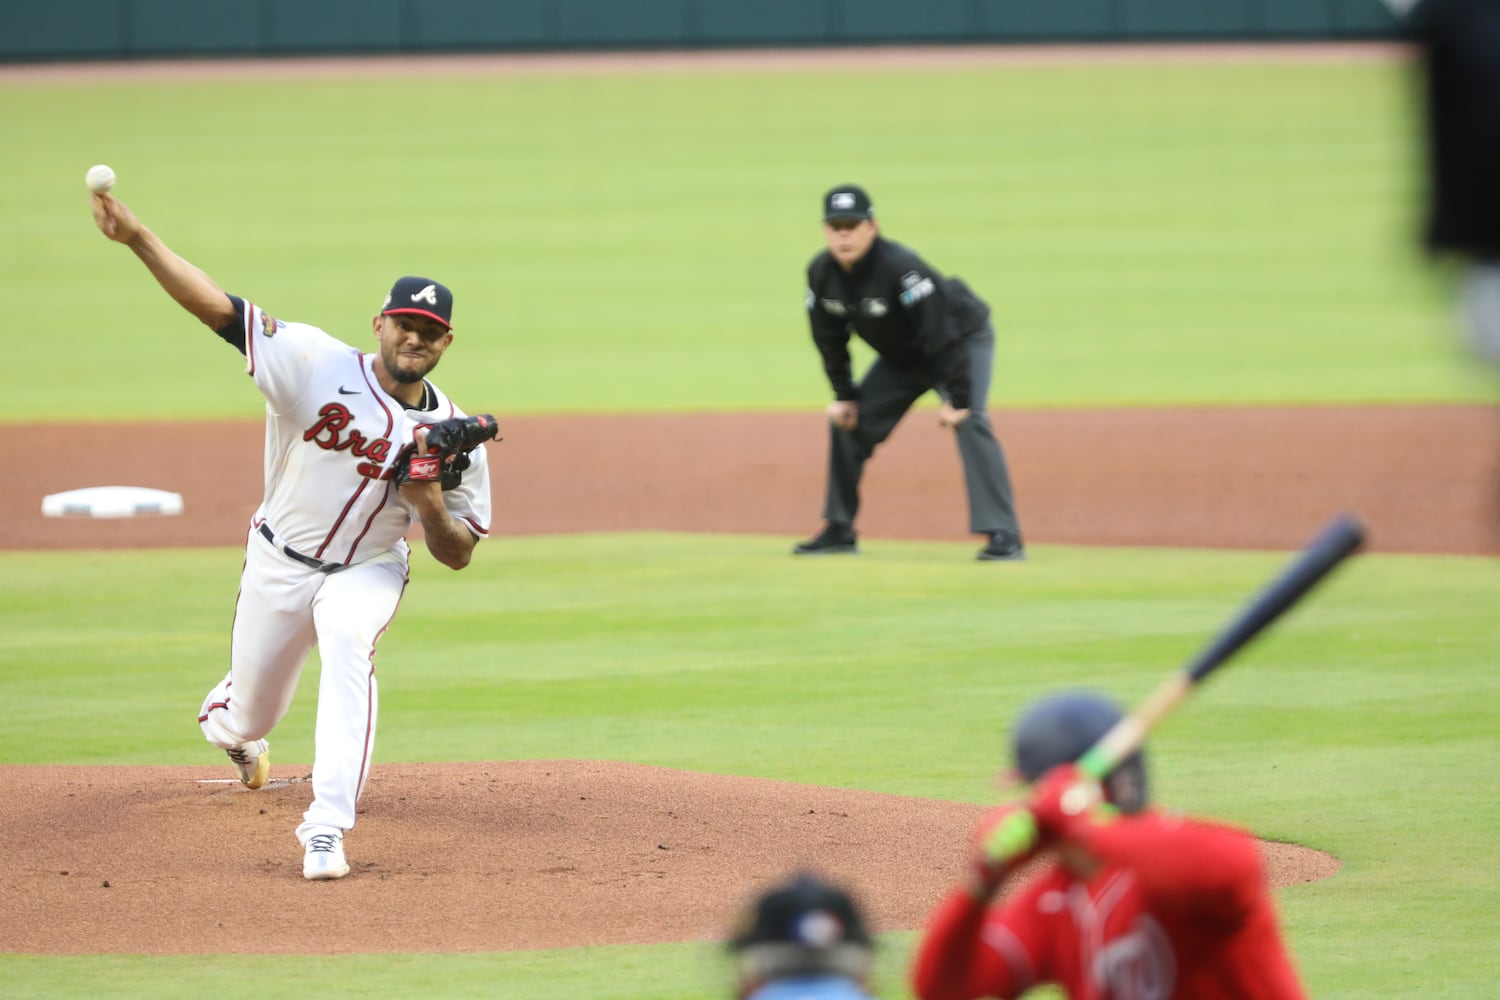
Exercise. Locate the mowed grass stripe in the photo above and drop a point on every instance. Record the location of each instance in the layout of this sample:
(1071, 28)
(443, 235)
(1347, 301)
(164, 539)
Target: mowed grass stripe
(1147, 235)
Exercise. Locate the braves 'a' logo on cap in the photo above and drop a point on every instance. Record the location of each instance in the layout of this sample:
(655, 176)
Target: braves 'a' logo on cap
(427, 295)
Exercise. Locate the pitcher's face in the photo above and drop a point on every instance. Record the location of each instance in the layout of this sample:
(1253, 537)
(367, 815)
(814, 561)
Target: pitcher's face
(410, 346)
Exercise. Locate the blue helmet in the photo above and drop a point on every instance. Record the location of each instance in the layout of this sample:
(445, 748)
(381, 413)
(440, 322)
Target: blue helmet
(1059, 728)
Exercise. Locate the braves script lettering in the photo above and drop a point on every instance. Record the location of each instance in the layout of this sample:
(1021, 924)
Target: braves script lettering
(332, 432)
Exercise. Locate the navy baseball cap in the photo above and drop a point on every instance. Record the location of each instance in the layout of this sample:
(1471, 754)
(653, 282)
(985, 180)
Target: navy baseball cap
(420, 297)
(847, 201)
(1060, 728)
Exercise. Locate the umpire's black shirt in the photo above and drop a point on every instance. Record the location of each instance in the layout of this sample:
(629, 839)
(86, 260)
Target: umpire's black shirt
(910, 314)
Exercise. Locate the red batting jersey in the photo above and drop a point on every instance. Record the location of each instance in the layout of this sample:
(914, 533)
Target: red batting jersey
(1178, 909)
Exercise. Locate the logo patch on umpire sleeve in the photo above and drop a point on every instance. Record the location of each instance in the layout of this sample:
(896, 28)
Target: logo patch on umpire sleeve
(917, 288)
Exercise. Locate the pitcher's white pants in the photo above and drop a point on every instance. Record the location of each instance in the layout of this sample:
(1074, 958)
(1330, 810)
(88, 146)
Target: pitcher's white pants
(283, 610)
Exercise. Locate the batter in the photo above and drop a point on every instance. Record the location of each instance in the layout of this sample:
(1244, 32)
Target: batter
(326, 555)
(1126, 901)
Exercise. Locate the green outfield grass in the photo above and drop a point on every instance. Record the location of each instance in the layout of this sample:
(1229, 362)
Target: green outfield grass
(1365, 724)
(1147, 234)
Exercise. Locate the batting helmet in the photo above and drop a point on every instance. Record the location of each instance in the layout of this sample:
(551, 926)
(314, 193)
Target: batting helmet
(803, 927)
(1059, 728)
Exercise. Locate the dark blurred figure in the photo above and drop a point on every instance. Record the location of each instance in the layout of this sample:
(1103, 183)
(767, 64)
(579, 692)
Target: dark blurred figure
(803, 939)
(1459, 49)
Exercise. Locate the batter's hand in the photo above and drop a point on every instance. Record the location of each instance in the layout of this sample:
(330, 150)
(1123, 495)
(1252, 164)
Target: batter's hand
(1005, 839)
(844, 414)
(1063, 798)
(949, 416)
(114, 218)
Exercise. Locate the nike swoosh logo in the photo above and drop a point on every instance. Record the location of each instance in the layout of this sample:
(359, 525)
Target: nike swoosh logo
(348, 392)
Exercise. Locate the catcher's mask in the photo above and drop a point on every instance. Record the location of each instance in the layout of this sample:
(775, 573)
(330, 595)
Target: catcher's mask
(1059, 728)
(803, 927)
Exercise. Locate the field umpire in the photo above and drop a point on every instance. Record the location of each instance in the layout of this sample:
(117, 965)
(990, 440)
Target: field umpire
(930, 333)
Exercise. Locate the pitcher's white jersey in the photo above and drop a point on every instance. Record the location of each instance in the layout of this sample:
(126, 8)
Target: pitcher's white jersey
(332, 437)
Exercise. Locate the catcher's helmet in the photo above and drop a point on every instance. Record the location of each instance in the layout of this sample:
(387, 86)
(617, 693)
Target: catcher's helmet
(804, 926)
(1059, 728)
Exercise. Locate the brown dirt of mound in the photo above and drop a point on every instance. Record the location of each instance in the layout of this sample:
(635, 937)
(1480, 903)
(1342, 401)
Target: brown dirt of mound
(456, 857)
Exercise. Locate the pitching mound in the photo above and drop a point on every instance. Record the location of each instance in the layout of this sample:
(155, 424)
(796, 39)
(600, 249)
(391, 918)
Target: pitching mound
(455, 857)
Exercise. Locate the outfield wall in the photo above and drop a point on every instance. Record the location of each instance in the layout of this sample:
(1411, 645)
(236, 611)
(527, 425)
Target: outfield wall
(124, 29)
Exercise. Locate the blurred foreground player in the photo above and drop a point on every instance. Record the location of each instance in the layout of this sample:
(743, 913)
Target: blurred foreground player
(1459, 56)
(802, 940)
(1126, 902)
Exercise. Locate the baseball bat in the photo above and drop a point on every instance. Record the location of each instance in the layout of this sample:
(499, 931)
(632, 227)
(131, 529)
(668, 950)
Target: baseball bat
(1337, 541)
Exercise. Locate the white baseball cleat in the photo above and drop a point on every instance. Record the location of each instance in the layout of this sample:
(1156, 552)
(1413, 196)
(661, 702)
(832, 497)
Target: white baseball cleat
(325, 855)
(253, 761)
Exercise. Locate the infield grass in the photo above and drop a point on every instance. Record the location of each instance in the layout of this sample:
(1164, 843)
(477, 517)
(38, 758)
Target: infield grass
(1364, 724)
(1186, 233)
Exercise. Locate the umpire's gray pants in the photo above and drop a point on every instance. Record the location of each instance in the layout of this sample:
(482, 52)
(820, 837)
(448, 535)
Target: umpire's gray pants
(885, 394)
(1479, 304)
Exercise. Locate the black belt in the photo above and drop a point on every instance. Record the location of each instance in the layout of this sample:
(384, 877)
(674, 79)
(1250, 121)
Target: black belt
(291, 553)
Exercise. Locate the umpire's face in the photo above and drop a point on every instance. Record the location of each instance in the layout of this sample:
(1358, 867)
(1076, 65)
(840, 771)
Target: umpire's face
(849, 239)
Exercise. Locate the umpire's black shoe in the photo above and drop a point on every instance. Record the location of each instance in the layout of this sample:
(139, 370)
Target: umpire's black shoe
(1002, 548)
(834, 539)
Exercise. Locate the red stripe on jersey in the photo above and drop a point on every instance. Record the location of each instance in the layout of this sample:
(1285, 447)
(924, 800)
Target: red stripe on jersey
(390, 422)
(338, 521)
(379, 393)
(369, 523)
(249, 323)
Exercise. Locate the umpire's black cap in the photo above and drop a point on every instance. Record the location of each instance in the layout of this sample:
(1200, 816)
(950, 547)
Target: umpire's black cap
(847, 201)
(420, 297)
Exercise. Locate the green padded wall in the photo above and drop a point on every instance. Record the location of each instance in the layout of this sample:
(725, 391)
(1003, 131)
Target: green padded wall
(114, 29)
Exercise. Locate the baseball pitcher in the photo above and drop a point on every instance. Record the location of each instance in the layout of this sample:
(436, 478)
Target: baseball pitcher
(358, 447)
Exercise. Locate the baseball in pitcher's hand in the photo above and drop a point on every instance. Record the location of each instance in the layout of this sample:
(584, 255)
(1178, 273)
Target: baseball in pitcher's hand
(843, 414)
(948, 416)
(114, 219)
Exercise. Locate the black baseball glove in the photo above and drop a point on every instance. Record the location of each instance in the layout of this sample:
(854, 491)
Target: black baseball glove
(448, 445)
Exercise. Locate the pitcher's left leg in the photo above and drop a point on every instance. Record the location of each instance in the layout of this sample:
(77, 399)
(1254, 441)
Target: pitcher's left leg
(352, 610)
